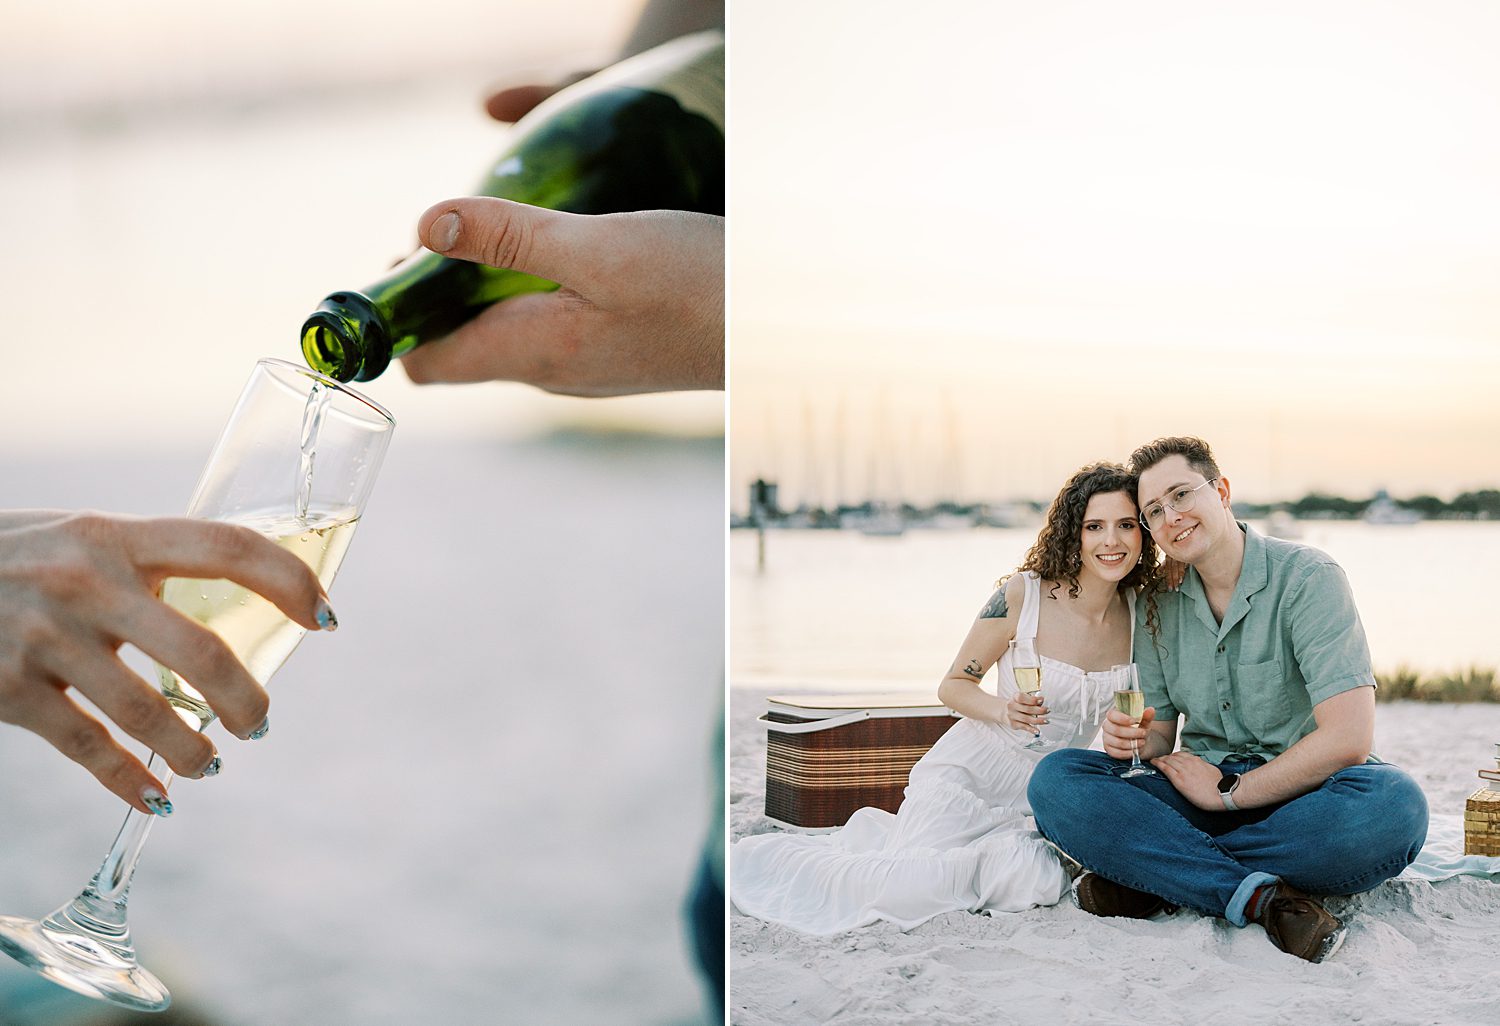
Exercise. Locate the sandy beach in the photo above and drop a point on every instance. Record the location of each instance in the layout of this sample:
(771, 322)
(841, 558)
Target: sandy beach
(1417, 952)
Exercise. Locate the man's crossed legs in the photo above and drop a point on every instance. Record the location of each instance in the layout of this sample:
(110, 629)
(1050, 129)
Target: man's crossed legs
(1364, 825)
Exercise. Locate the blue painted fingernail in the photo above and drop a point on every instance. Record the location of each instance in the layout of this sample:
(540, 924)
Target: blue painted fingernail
(260, 731)
(156, 802)
(325, 617)
(214, 765)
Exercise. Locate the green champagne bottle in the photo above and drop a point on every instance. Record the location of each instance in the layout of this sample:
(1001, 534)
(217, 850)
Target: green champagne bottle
(644, 134)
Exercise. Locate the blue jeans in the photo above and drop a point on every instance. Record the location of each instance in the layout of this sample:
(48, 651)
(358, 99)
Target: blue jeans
(1362, 827)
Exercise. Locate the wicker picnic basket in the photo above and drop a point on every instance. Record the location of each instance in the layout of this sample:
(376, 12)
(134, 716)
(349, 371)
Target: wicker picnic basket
(828, 755)
(1482, 821)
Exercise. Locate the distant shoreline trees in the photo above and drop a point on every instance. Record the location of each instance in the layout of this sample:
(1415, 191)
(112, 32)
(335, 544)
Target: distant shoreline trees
(1483, 504)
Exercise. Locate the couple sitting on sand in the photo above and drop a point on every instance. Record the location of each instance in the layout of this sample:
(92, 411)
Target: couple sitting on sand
(1273, 801)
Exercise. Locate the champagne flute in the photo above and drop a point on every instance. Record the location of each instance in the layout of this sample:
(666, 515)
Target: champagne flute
(1130, 701)
(1027, 667)
(296, 462)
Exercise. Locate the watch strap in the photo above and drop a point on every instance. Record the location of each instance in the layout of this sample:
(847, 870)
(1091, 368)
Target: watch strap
(1227, 793)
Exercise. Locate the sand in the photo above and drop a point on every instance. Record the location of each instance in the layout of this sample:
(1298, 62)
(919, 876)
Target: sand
(1417, 952)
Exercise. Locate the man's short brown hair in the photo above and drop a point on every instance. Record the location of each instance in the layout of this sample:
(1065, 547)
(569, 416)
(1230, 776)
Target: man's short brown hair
(1195, 450)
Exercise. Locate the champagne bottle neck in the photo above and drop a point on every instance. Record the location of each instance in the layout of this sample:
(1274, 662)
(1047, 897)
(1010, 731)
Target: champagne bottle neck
(346, 338)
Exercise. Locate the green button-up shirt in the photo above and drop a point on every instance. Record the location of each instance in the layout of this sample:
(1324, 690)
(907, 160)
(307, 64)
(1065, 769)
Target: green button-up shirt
(1290, 639)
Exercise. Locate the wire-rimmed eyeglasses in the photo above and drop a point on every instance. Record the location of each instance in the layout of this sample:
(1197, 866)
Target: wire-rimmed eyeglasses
(1182, 500)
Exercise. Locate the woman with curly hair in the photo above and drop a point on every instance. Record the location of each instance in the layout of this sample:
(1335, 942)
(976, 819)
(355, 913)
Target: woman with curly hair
(963, 837)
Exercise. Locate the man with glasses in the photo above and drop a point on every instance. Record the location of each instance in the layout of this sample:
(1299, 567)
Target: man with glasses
(1274, 797)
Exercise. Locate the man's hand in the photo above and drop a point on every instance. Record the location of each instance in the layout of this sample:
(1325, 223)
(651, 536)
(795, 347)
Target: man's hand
(1117, 733)
(75, 587)
(1195, 779)
(641, 307)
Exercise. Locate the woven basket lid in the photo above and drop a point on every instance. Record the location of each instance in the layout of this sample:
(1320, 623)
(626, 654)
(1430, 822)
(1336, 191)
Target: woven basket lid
(883, 703)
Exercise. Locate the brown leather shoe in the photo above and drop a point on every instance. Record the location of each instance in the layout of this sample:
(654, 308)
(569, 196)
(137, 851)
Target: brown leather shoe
(1104, 897)
(1298, 924)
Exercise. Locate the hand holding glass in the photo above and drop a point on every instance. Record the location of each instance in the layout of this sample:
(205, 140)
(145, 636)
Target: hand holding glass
(1130, 701)
(296, 462)
(1027, 667)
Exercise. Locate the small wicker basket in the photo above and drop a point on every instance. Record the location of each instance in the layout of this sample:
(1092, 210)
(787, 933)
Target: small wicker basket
(1482, 821)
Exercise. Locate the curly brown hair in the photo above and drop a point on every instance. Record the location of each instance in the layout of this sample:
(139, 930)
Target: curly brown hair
(1055, 554)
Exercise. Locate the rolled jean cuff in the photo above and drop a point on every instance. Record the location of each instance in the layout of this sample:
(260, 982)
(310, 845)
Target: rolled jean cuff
(1235, 913)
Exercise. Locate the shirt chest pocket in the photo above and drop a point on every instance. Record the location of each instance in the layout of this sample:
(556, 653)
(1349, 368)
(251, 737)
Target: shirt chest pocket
(1264, 706)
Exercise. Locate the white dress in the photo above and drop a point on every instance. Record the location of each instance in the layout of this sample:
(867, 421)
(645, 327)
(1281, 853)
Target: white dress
(962, 839)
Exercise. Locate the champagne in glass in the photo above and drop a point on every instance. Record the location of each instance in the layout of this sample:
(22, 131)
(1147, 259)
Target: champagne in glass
(1130, 701)
(1026, 666)
(256, 631)
(296, 462)
(1029, 679)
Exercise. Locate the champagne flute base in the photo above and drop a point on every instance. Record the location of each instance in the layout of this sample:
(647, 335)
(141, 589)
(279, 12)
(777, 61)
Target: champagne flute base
(1041, 744)
(1138, 771)
(85, 953)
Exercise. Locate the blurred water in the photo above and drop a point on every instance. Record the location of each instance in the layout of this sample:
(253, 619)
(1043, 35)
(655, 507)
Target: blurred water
(838, 609)
(480, 801)
(174, 209)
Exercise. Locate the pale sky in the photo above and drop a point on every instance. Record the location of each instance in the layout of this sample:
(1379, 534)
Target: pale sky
(975, 245)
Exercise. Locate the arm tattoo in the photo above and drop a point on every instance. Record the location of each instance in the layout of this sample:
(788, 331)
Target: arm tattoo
(995, 608)
(974, 669)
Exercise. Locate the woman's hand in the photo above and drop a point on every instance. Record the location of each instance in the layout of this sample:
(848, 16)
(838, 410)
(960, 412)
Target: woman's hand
(75, 587)
(1025, 712)
(641, 307)
(1173, 572)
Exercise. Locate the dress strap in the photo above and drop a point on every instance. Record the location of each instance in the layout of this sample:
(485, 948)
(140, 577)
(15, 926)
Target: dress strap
(1031, 609)
(1130, 600)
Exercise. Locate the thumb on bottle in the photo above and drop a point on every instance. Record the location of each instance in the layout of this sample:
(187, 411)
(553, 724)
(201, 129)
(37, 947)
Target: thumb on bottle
(500, 233)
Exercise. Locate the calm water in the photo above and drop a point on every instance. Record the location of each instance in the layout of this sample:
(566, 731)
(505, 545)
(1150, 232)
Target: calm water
(839, 610)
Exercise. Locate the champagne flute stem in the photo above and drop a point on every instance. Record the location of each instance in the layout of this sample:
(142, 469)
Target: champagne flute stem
(96, 918)
(112, 882)
(1135, 751)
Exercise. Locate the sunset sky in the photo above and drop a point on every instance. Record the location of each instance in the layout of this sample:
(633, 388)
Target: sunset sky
(975, 245)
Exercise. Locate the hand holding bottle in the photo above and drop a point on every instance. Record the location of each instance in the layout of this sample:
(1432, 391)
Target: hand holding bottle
(641, 307)
(645, 136)
(75, 587)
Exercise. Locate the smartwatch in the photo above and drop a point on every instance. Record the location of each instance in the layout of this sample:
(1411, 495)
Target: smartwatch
(1227, 783)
